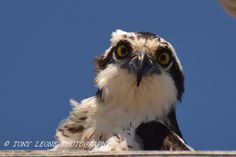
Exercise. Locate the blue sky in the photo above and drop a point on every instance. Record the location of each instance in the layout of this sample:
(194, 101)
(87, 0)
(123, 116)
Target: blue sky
(47, 51)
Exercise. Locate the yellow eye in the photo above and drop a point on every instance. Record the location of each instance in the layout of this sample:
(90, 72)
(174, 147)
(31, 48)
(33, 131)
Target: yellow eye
(164, 59)
(122, 51)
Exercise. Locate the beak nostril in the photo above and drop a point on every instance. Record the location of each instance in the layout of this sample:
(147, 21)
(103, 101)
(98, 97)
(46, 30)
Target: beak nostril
(141, 56)
(140, 64)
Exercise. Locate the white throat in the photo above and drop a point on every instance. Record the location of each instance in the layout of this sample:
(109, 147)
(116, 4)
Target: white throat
(156, 94)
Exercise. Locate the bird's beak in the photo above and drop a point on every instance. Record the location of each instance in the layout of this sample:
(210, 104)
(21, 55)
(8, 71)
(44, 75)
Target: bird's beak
(140, 64)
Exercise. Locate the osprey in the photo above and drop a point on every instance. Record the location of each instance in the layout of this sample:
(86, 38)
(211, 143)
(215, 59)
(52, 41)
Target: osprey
(140, 80)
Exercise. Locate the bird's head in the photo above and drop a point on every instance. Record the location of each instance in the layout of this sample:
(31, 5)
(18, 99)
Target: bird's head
(141, 62)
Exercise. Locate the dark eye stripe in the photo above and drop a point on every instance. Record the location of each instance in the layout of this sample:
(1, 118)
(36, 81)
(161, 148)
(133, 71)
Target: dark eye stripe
(178, 77)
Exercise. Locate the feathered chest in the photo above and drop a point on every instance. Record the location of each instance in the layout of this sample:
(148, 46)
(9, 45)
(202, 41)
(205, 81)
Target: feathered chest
(124, 105)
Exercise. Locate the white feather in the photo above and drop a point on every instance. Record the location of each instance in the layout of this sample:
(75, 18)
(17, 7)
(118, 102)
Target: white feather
(125, 105)
(125, 102)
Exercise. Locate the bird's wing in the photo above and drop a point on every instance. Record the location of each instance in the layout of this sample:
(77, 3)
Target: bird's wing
(157, 136)
(79, 126)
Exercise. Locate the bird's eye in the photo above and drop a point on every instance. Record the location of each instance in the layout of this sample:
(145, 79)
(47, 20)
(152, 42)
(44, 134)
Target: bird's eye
(164, 59)
(122, 51)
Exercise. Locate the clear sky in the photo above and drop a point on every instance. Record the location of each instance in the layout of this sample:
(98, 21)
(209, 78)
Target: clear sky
(47, 51)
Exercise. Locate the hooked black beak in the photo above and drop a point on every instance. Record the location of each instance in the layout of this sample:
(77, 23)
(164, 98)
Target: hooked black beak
(140, 65)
